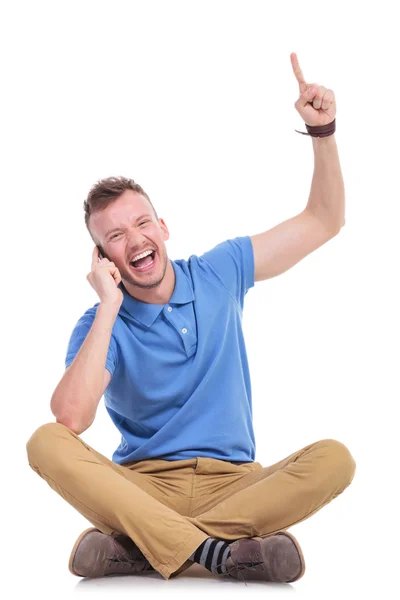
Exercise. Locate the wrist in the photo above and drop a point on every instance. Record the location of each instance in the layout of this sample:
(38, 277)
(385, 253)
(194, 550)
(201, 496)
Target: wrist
(323, 141)
(320, 131)
(109, 309)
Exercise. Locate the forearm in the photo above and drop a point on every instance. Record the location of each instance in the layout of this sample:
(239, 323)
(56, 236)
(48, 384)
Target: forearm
(75, 399)
(327, 195)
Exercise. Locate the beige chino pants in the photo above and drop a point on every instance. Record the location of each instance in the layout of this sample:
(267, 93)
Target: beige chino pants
(168, 508)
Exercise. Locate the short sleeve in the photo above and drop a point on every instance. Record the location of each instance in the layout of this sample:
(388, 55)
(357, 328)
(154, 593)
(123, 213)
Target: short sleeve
(78, 336)
(232, 263)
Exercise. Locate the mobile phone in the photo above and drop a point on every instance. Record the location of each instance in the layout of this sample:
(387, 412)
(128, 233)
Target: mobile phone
(100, 249)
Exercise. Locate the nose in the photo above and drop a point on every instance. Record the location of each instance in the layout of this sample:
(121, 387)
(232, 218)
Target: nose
(136, 243)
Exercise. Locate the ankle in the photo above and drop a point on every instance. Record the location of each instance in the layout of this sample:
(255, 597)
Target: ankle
(212, 554)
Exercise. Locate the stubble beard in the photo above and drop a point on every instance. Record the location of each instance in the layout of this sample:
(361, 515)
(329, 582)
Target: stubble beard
(148, 286)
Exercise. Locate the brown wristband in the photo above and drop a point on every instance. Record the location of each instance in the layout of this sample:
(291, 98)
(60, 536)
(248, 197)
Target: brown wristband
(320, 130)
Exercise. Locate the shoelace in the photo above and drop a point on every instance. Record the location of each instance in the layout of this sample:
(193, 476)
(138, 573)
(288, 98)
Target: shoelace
(126, 562)
(132, 558)
(252, 563)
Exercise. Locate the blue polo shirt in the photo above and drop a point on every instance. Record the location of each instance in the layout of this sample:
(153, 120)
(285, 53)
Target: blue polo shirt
(180, 385)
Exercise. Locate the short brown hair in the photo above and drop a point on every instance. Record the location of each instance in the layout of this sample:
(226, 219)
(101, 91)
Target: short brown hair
(105, 191)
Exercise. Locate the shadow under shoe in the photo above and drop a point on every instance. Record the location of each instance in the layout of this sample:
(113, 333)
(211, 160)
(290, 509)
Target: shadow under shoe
(96, 554)
(277, 558)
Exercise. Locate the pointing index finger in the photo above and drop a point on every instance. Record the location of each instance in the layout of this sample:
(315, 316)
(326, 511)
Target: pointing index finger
(298, 72)
(95, 257)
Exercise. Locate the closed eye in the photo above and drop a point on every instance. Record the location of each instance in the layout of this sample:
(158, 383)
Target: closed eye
(141, 223)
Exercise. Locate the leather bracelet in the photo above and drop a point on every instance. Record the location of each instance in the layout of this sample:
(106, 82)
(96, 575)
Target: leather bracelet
(320, 130)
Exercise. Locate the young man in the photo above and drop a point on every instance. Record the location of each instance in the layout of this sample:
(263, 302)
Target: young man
(165, 346)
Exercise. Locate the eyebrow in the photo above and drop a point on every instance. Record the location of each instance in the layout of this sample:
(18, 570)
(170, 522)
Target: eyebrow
(117, 228)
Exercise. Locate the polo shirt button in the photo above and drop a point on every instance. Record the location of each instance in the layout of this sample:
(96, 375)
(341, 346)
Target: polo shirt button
(169, 309)
(184, 330)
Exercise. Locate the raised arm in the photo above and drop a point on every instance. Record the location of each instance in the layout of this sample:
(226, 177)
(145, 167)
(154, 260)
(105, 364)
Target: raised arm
(278, 249)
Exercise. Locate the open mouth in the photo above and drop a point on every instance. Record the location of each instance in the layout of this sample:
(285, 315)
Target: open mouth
(144, 264)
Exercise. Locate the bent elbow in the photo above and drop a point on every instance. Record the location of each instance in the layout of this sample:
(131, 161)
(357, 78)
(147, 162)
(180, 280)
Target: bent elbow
(76, 428)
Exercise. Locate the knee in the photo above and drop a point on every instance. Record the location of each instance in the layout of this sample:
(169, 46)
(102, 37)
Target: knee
(341, 462)
(42, 445)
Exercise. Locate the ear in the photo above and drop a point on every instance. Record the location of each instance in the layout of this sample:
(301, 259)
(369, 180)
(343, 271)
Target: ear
(164, 229)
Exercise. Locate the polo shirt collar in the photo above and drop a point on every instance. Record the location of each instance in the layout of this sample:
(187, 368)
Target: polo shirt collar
(147, 313)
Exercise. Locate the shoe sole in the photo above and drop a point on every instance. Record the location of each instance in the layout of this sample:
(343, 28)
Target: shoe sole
(74, 549)
(302, 561)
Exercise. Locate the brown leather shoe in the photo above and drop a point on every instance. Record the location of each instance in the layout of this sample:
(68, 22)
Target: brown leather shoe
(275, 558)
(96, 554)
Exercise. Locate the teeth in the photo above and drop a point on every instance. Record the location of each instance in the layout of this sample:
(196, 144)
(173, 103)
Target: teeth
(141, 255)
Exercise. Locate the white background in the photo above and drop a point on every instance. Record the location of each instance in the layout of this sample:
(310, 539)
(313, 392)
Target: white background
(195, 101)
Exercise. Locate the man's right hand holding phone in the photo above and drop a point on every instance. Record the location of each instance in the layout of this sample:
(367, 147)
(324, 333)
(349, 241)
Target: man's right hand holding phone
(104, 279)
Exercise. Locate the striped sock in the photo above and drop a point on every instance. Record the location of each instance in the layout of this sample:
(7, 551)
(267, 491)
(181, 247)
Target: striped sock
(212, 554)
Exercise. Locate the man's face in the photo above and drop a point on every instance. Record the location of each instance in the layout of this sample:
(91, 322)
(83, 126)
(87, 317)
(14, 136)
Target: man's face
(126, 228)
